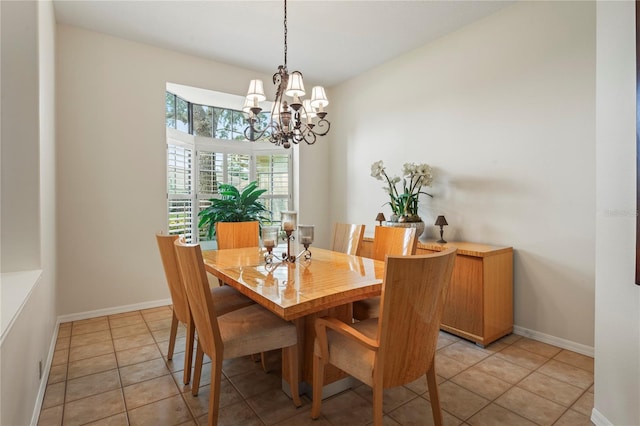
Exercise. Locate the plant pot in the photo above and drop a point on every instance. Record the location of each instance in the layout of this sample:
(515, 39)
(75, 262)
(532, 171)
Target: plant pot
(418, 225)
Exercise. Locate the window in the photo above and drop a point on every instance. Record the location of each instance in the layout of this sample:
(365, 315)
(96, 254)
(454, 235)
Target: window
(176, 112)
(203, 120)
(216, 153)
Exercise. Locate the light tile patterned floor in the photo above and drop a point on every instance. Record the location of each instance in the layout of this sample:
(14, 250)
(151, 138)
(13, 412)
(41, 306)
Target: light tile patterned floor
(112, 370)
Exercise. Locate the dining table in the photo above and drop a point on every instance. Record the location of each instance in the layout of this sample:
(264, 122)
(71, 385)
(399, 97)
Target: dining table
(300, 292)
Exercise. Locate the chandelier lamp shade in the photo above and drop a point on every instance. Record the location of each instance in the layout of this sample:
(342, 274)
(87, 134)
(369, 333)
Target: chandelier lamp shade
(293, 119)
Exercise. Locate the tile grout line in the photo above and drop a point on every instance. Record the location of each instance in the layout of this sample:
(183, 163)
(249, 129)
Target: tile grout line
(124, 400)
(66, 381)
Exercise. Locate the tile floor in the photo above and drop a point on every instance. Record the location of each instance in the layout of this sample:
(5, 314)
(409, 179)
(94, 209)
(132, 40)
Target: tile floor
(112, 370)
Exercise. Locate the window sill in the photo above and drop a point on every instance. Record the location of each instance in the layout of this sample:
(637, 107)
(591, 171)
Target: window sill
(15, 289)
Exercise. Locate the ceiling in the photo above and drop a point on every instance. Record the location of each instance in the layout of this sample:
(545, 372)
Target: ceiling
(329, 41)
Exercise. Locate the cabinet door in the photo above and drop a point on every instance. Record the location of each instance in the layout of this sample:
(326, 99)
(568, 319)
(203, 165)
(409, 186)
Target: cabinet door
(463, 306)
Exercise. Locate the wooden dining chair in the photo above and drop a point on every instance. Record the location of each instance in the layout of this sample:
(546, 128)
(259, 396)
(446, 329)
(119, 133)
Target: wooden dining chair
(399, 346)
(225, 298)
(237, 234)
(238, 333)
(387, 240)
(347, 238)
(231, 235)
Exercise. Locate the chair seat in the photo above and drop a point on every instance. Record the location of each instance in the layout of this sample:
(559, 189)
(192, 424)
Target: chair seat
(367, 308)
(227, 299)
(254, 329)
(343, 351)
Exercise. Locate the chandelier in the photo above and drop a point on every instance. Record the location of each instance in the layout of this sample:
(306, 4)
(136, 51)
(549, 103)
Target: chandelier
(291, 122)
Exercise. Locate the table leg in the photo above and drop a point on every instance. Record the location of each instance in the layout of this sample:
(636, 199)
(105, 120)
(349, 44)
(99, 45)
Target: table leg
(335, 380)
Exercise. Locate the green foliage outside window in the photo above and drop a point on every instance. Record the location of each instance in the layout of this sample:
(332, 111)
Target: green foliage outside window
(170, 108)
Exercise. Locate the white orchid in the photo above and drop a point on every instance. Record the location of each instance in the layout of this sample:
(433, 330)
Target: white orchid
(423, 170)
(408, 169)
(377, 169)
(415, 176)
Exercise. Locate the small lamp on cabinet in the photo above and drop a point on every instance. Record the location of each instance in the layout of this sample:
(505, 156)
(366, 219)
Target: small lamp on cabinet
(380, 218)
(441, 221)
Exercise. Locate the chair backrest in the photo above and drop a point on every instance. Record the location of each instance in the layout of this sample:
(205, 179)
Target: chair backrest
(388, 240)
(174, 281)
(237, 235)
(194, 277)
(347, 238)
(411, 306)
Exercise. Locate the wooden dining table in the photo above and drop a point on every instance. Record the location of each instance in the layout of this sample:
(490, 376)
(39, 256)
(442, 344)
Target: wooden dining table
(299, 292)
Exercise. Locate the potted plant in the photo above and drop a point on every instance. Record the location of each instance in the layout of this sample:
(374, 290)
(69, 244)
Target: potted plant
(404, 202)
(233, 206)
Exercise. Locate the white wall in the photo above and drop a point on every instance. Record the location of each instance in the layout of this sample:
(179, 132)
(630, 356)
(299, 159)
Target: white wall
(112, 164)
(617, 373)
(20, 215)
(28, 341)
(504, 110)
(312, 185)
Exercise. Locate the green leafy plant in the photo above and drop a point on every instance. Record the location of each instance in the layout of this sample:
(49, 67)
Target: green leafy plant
(233, 206)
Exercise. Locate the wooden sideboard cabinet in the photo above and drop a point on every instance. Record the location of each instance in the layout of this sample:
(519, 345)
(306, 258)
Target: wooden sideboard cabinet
(479, 304)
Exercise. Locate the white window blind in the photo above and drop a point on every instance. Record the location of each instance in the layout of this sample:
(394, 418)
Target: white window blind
(272, 174)
(180, 190)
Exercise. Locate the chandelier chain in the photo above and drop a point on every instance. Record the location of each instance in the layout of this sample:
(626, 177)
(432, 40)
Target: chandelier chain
(285, 34)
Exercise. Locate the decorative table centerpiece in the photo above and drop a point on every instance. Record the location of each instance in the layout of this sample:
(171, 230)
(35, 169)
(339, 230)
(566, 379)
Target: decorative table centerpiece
(289, 225)
(404, 202)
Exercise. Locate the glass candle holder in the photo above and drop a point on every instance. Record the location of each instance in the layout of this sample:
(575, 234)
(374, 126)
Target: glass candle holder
(270, 237)
(305, 234)
(289, 221)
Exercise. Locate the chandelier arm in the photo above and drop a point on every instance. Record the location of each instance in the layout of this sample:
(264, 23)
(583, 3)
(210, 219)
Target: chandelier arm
(277, 137)
(252, 133)
(310, 138)
(307, 134)
(319, 129)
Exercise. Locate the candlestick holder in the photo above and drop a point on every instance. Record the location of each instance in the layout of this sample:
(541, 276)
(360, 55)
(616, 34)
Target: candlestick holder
(306, 238)
(288, 257)
(269, 241)
(289, 224)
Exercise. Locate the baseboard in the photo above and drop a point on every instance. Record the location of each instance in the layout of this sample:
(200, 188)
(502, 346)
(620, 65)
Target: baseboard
(555, 341)
(114, 310)
(598, 419)
(45, 376)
